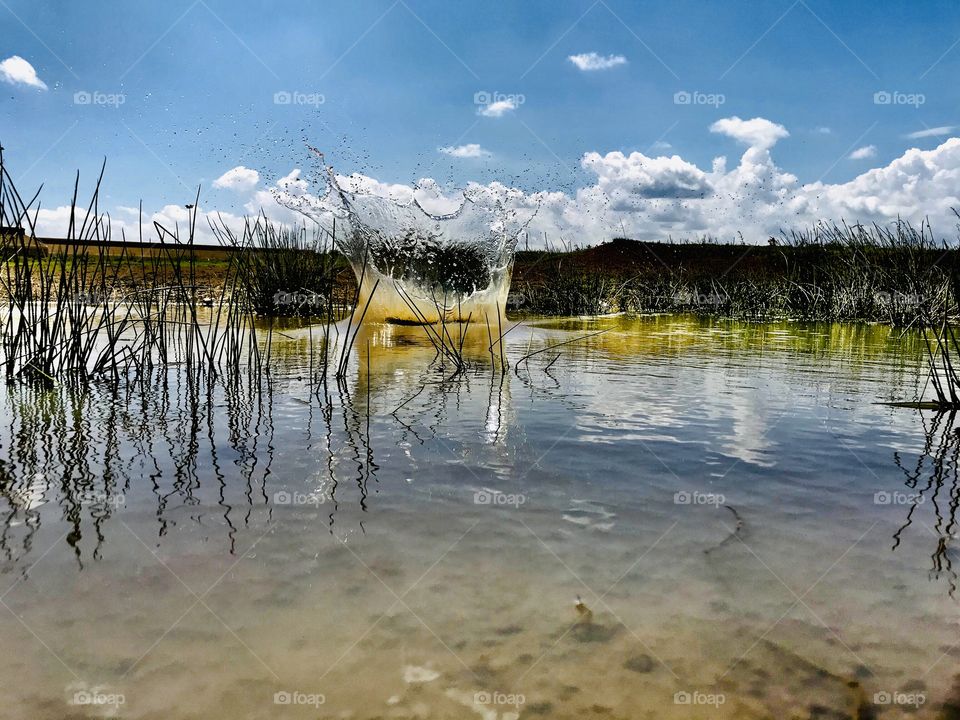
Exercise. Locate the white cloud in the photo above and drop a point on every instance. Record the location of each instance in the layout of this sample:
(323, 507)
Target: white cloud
(17, 71)
(171, 214)
(498, 108)
(823, 130)
(470, 150)
(916, 185)
(661, 145)
(867, 151)
(239, 178)
(53, 222)
(127, 222)
(756, 133)
(931, 132)
(398, 192)
(625, 178)
(653, 198)
(592, 61)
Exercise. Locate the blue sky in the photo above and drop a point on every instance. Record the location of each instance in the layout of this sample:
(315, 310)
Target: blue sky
(398, 80)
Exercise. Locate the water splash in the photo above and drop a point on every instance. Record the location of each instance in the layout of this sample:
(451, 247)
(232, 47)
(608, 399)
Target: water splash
(429, 257)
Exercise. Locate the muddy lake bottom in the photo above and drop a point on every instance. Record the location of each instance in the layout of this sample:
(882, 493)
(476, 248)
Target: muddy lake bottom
(750, 531)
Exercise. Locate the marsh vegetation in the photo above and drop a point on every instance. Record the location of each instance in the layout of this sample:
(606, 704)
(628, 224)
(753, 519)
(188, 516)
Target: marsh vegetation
(843, 273)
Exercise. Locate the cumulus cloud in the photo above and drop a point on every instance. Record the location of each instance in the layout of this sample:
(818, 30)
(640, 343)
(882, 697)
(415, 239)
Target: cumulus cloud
(498, 108)
(757, 133)
(653, 198)
(17, 71)
(357, 183)
(470, 150)
(931, 132)
(626, 178)
(53, 222)
(592, 61)
(919, 184)
(239, 178)
(867, 151)
(128, 222)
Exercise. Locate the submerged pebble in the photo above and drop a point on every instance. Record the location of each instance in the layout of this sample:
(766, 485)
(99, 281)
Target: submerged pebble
(413, 674)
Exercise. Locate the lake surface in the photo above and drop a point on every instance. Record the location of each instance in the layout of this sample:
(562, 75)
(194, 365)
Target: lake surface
(749, 531)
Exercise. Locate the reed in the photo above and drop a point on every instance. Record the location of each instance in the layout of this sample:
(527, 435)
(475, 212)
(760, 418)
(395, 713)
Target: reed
(287, 271)
(82, 315)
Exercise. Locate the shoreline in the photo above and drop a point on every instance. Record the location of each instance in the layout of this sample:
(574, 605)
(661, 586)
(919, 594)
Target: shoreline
(892, 284)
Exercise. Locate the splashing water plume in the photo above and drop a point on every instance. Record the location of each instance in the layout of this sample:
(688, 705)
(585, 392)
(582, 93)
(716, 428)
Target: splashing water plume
(450, 263)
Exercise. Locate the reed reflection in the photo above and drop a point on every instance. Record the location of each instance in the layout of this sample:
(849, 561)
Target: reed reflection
(933, 479)
(417, 384)
(181, 446)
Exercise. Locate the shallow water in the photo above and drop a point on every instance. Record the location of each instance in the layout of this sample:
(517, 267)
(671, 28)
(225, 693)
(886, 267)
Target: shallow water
(727, 500)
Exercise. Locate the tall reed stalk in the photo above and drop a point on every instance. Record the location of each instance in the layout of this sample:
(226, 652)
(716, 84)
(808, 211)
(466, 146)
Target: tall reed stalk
(83, 314)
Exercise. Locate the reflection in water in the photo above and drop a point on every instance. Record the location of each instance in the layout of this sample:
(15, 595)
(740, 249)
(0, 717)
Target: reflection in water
(201, 441)
(194, 441)
(192, 444)
(94, 451)
(409, 538)
(933, 478)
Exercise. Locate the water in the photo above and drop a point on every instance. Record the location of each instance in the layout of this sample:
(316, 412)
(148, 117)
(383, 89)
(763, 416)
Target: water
(723, 498)
(422, 256)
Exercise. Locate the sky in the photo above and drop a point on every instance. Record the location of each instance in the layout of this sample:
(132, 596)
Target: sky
(680, 119)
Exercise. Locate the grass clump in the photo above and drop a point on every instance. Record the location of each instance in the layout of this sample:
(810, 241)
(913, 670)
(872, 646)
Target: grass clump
(286, 271)
(570, 293)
